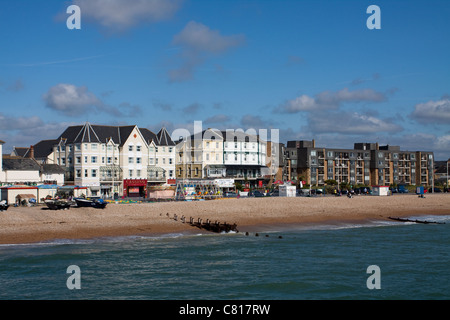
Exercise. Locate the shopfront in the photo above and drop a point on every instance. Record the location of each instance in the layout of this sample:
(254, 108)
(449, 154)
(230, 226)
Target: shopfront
(135, 188)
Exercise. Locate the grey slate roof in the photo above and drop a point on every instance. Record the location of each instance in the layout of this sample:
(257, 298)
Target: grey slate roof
(164, 138)
(52, 168)
(96, 133)
(20, 164)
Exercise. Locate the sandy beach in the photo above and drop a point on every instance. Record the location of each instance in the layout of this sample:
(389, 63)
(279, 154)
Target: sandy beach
(37, 224)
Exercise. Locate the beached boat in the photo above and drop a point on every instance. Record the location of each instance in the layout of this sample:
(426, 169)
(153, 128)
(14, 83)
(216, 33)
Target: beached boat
(57, 204)
(91, 203)
(4, 205)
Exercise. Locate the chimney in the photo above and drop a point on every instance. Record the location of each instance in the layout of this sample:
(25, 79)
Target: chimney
(31, 152)
(313, 143)
(377, 146)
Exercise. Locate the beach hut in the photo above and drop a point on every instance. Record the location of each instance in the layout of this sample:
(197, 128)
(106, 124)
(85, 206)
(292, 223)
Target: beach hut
(380, 190)
(10, 193)
(287, 191)
(46, 190)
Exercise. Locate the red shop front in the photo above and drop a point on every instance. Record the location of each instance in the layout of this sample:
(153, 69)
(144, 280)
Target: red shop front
(135, 188)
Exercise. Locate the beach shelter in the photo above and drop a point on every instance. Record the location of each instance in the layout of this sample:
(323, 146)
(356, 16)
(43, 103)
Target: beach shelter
(380, 190)
(25, 199)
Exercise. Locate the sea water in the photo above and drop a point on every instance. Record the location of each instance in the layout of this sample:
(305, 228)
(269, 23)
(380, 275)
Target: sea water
(315, 261)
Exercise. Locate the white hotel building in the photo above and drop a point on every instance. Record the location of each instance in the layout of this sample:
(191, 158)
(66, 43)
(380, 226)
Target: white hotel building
(122, 160)
(221, 154)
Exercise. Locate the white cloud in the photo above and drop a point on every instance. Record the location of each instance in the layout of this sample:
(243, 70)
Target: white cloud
(119, 15)
(432, 112)
(350, 123)
(328, 100)
(70, 99)
(25, 131)
(198, 42)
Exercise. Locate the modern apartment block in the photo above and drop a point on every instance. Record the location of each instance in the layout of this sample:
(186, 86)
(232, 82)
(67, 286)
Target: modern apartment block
(122, 160)
(221, 154)
(365, 164)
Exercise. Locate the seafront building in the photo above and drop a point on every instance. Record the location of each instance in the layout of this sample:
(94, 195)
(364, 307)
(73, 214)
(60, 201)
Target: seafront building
(108, 160)
(212, 154)
(130, 161)
(366, 164)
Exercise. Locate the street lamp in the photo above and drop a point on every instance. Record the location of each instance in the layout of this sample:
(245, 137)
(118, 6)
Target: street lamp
(447, 173)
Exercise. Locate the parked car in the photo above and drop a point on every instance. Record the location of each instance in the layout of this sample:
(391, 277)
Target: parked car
(434, 190)
(275, 193)
(256, 193)
(230, 194)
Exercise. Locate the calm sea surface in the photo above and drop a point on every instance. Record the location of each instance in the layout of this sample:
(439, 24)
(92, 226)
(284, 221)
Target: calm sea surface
(308, 262)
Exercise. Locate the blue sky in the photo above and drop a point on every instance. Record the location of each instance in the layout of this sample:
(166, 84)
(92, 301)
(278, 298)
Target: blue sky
(311, 69)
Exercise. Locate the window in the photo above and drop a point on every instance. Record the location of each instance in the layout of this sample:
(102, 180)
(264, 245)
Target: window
(170, 160)
(207, 156)
(94, 159)
(94, 173)
(94, 146)
(138, 173)
(103, 159)
(170, 149)
(70, 160)
(217, 145)
(85, 159)
(138, 160)
(138, 148)
(313, 153)
(78, 173)
(380, 155)
(156, 161)
(156, 149)
(130, 148)
(130, 160)
(78, 160)
(170, 173)
(85, 146)
(78, 147)
(329, 153)
(85, 173)
(164, 160)
(109, 160)
(130, 173)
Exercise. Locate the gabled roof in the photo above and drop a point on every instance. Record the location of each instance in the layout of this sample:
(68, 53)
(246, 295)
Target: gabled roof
(21, 151)
(164, 138)
(44, 148)
(149, 136)
(96, 133)
(20, 164)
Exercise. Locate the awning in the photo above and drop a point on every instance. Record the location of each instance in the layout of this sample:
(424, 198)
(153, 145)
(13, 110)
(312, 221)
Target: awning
(25, 196)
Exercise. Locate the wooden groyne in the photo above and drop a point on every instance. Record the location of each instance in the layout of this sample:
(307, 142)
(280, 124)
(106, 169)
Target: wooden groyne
(208, 225)
(416, 221)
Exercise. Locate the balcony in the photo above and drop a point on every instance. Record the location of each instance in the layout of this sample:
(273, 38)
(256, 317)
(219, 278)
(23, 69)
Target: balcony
(110, 173)
(156, 174)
